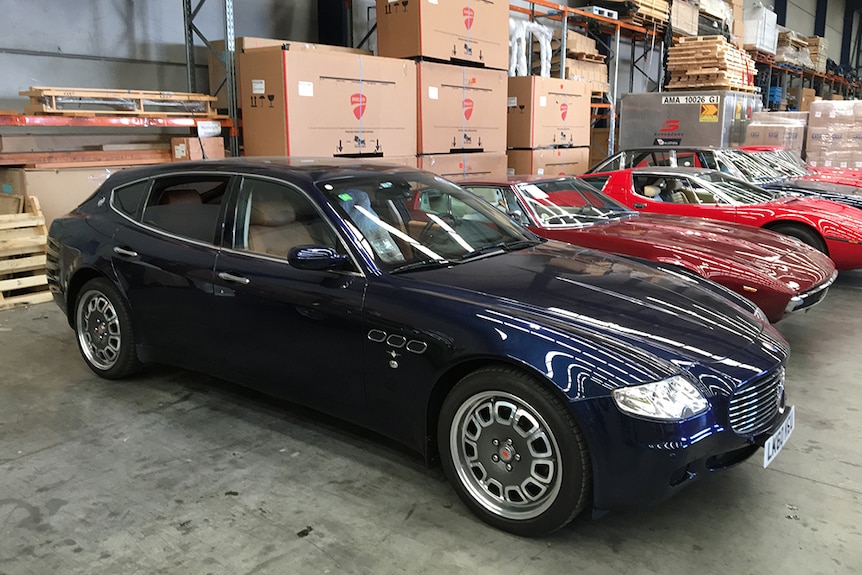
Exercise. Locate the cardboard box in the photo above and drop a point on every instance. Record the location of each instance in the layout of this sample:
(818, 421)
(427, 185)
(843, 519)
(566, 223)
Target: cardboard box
(684, 17)
(599, 144)
(808, 96)
(59, 190)
(475, 31)
(547, 112)
(826, 113)
(197, 148)
(454, 166)
(322, 103)
(216, 67)
(575, 43)
(460, 109)
(549, 161)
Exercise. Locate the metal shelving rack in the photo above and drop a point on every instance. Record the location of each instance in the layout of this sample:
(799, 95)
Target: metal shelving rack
(228, 58)
(565, 16)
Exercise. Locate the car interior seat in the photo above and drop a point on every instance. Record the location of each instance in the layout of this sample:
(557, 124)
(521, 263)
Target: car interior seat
(675, 193)
(273, 227)
(653, 192)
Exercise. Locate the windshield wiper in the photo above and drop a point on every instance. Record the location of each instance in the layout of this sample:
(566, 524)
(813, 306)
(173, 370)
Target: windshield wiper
(498, 248)
(421, 265)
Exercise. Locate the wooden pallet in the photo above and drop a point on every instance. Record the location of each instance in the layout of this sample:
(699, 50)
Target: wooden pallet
(23, 242)
(762, 57)
(96, 102)
(86, 158)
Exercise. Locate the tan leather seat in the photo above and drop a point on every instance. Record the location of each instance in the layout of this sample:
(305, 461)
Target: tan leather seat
(273, 228)
(179, 196)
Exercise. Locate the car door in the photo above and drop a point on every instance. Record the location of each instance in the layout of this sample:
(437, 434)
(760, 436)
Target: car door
(293, 333)
(163, 254)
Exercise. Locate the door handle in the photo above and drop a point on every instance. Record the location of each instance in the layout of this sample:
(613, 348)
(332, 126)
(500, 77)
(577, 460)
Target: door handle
(233, 279)
(124, 252)
(639, 206)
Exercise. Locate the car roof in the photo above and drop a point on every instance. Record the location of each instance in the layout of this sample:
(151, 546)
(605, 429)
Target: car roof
(295, 168)
(505, 180)
(675, 148)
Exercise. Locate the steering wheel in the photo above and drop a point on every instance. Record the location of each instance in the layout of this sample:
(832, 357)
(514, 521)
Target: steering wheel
(427, 233)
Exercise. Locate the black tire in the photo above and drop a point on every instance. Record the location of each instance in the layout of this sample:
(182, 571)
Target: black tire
(801, 233)
(103, 329)
(546, 474)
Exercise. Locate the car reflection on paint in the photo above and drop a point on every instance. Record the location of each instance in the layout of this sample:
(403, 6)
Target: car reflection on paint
(548, 379)
(779, 274)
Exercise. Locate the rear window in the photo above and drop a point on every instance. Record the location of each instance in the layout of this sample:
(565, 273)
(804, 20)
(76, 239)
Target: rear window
(129, 199)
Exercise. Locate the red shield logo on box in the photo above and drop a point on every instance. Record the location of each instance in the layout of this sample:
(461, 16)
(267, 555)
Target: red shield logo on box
(467, 107)
(564, 110)
(358, 102)
(468, 17)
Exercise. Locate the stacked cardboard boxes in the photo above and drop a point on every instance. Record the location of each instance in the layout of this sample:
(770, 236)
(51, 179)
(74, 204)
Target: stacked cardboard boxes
(783, 129)
(459, 105)
(548, 125)
(835, 134)
(684, 17)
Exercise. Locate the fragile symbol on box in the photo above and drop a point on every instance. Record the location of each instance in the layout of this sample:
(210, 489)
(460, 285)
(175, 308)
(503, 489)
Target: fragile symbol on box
(402, 3)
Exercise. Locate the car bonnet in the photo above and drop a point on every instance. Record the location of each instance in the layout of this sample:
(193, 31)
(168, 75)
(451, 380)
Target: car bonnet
(744, 248)
(587, 290)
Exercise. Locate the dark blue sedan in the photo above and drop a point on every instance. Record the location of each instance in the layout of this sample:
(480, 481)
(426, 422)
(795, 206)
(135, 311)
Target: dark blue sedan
(547, 378)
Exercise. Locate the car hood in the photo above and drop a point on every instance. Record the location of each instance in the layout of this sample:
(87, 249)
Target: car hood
(581, 290)
(746, 249)
(820, 186)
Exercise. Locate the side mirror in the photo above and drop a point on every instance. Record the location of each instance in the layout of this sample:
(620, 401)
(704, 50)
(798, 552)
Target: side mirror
(315, 258)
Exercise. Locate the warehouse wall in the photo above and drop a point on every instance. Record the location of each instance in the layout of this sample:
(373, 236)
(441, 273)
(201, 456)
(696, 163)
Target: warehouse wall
(124, 43)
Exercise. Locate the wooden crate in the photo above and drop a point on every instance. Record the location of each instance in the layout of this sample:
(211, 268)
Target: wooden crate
(23, 242)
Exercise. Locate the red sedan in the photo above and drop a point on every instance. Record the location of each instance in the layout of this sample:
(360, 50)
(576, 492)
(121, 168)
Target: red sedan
(777, 273)
(834, 229)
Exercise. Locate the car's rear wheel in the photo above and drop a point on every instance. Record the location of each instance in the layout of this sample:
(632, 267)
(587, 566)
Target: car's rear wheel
(103, 327)
(801, 233)
(513, 452)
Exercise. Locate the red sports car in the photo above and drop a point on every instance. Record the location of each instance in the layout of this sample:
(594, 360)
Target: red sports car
(832, 228)
(777, 273)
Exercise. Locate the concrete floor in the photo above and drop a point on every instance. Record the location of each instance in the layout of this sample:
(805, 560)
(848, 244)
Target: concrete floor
(173, 472)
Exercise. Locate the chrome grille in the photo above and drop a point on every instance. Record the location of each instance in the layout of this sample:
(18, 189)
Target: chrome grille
(754, 404)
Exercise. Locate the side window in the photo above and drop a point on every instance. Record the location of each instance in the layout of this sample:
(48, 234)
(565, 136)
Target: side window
(129, 199)
(687, 160)
(273, 217)
(187, 206)
(598, 182)
(491, 194)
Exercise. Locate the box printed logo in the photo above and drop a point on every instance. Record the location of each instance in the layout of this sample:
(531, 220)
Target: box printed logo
(564, 110)
(358, 102)
(467, 107)
(468, 17)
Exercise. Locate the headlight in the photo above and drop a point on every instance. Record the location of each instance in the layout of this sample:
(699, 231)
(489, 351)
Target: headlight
(671, 399)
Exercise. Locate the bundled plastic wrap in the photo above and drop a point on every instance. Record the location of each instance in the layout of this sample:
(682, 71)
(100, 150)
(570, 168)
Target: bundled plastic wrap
(835, 134)
(760, 29)
(782, 129)
(518, 29)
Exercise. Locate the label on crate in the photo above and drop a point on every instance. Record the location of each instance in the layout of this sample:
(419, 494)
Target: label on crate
(690, 99)
(305, 89)
(258, 86)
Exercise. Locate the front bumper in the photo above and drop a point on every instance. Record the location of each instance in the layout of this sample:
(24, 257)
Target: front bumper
(638, 462)
(810, 298)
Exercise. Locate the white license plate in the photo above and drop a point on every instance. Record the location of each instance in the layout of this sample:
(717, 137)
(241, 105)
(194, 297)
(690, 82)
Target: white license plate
(778, 439)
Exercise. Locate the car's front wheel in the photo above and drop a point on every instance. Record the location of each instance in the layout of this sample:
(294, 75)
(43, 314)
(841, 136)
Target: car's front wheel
(103, 327)
(513, 452)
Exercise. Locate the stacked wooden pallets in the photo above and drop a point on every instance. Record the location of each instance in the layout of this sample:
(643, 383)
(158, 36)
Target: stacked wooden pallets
(709, 62)
(651, 14)
(817, 48)
(92, 102)
(23, 243)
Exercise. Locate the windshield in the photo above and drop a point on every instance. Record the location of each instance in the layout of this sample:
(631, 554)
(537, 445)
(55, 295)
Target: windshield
(737, 190)
(569, 201)
(751, 167)
(408, 221)
(783, 163)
